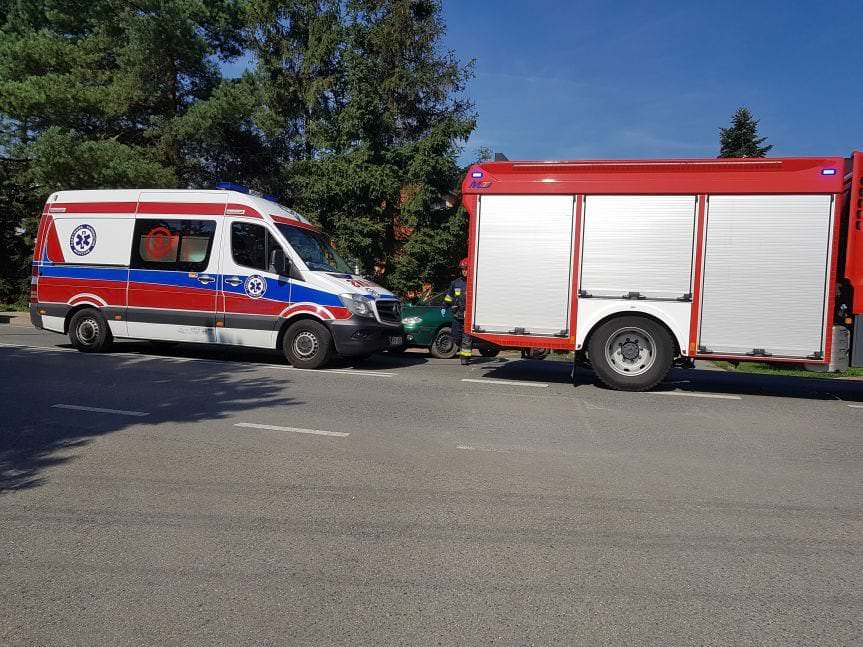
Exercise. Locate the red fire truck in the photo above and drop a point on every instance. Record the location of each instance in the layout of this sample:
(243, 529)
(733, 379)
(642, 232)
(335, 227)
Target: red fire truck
(636, 265)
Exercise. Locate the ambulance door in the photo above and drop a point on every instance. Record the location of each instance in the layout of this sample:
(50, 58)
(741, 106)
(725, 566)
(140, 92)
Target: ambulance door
(174, 274)
(252, 297)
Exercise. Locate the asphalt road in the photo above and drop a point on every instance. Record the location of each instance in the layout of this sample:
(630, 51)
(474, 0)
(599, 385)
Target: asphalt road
(223, 498)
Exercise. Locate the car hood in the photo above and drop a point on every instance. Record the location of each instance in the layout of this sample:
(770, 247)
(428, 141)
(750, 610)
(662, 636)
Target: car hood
(353, 284)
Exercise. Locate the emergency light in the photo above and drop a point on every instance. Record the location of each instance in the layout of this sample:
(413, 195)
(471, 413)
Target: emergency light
(233, 186)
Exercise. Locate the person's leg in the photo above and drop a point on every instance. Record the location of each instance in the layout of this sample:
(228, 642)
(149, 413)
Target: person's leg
(465, 349)
(457, 332)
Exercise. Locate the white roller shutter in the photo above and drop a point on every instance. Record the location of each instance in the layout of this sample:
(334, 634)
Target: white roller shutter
(524, 264)
(766, 265)
(638, 244)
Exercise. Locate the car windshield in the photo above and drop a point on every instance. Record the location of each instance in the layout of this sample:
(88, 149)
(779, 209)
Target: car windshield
(314, 249)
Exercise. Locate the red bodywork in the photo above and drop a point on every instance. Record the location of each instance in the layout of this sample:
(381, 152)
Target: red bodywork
(701, 177)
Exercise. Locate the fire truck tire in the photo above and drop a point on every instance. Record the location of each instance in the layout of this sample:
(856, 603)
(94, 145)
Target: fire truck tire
(307, 344)
(89, 331)
(631, 353)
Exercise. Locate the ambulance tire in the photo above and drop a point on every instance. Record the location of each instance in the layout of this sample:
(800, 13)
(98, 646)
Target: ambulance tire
(631, 353)
(89, 331)
(307, 344)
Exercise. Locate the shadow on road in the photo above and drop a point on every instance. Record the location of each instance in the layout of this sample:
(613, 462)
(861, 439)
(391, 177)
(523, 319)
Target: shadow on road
(35, 436)
(692, 380)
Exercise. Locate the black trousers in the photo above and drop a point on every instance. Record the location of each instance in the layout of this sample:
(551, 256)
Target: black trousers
(462, 341)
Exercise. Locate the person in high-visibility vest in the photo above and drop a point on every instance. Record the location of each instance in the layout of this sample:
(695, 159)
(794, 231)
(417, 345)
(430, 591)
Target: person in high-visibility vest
(455, 300)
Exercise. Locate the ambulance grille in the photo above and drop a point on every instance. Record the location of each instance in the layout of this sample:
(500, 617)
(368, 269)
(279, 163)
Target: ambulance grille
(389, 311)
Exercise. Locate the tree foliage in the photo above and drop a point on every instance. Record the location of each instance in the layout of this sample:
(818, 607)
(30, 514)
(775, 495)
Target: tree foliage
(349, 111)
(741, 138)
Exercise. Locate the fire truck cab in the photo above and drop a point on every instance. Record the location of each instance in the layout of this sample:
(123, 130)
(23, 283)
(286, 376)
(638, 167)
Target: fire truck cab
(637, 264)
(209, 266)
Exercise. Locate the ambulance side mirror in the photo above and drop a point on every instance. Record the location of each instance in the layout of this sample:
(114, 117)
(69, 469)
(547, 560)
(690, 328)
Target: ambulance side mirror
(279, 263)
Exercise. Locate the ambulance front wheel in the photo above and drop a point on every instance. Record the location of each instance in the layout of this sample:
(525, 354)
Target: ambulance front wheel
(89, 331)
(631, 353)
(307, 344)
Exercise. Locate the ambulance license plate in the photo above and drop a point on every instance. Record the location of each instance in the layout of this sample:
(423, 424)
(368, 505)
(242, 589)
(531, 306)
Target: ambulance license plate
(397, 341)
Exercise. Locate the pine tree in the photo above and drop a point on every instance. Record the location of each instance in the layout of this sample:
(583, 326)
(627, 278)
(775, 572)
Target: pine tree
(113, 94)
(385, 187)
(741, 138)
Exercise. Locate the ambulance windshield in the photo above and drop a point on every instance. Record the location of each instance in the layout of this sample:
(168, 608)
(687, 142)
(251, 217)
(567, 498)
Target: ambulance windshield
(313, 248)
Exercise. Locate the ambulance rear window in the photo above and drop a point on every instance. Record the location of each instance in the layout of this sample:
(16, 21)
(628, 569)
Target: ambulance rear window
(177, 245)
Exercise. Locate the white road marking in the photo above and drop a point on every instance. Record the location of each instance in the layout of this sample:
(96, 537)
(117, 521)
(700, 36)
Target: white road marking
(169, 358)
(99, 410)
(856, 406)
(538, 385)
(339, 371)
(316, 432)
(684, 394)
(43, 348)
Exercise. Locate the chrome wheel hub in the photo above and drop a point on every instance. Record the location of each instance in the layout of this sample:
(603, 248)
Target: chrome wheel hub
(631, 351)
(305, 345)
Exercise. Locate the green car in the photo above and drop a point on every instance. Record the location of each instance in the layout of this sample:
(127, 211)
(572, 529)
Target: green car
(428, 325)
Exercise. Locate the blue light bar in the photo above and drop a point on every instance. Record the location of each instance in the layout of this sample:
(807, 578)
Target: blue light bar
(271, 198)
(828, 171)
(233, 186)
(476, 174)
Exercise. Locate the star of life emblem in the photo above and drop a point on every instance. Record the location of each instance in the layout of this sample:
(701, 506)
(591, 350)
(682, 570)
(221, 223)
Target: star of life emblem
(255, 286)
(83, 240)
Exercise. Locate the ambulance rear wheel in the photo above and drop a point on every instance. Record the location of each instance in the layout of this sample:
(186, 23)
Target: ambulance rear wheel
(631, 353)
(89, 331)
(307, 344)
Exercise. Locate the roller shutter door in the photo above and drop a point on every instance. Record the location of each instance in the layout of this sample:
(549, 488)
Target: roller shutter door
(766, 266)
(524, 261)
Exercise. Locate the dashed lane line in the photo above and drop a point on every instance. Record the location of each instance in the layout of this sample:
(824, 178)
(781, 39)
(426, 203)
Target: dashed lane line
(121, 412)
(537, 385)
(338, 371)
(296, 430)
(685, 394)
(856, 406)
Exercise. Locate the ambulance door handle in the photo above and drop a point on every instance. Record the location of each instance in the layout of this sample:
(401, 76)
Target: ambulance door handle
(233, 280)
(205, 279)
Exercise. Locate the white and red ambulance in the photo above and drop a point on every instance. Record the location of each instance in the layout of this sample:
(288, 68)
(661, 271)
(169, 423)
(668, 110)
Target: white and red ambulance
(635, 264)
(220, 266)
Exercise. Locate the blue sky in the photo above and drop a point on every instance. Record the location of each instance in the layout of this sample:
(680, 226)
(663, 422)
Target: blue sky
(596, 79)
(600, 79)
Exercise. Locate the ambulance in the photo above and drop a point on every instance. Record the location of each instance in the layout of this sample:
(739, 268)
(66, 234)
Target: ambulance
(223, 266)
(637, 265)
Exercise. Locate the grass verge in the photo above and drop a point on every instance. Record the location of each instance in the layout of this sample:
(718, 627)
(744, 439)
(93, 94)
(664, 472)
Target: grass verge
(790, 370)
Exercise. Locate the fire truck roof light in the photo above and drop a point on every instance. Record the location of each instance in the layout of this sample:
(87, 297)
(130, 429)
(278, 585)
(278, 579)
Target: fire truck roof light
(828, 171)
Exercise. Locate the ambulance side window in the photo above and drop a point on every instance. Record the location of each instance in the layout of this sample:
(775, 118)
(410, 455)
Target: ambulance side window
(251, 245)
(172, 245)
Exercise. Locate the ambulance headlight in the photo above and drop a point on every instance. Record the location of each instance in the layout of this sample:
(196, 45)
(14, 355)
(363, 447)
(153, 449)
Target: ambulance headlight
(358, 304)
(412, 321)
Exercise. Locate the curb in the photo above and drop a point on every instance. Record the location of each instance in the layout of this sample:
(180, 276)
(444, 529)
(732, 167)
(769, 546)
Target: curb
(15, 320)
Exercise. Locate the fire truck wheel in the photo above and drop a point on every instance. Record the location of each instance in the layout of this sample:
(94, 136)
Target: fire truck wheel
(631, 353)
(89, 331)
(307, 344)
